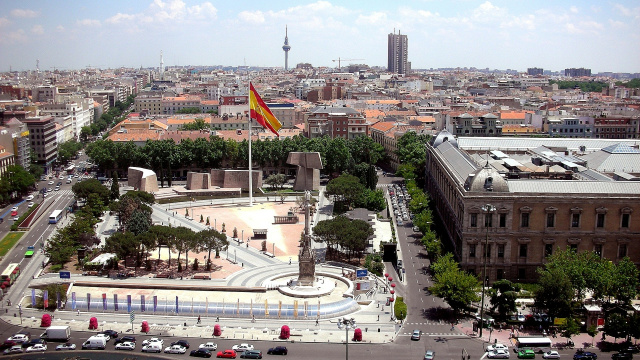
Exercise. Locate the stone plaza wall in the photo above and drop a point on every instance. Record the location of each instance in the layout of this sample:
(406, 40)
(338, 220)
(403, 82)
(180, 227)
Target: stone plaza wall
(142, 179)
(197, 181)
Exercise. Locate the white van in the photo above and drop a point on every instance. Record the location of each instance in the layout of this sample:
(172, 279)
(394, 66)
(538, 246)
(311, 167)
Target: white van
(153, 347)
(95, 342)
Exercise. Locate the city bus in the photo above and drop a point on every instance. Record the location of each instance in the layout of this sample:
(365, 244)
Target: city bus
(537, 344)
(70, 169)
(11, 273)
(55, 216)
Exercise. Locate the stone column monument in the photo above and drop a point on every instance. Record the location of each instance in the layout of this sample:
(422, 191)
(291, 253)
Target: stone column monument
(306, 258)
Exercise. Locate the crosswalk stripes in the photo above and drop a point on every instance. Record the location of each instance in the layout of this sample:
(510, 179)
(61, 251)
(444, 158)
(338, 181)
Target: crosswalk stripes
(433, 334)
(429, 323)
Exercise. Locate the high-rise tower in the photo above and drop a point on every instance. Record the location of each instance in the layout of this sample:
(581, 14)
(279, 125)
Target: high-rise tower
(398, 53)
(161, 66)
(286, 49)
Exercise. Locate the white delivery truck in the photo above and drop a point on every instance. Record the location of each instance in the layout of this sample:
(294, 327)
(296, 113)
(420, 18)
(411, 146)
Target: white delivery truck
(95, 342)
(56, 333)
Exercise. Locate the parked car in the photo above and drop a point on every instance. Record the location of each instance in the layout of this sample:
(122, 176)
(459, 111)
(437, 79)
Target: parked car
(104, 336)
(153, 340)
(183, 343)
(209, 346)
(242, 347)
(416, 335)
(34, 341)
(31, 204)
(551, 354)
(175, 349)
(429, 355)
(126, 338)
(498, 354)
(7, 344)
(227, 354)
(15, 349)
(200, 353)
(497, 346)
(126, 345)
(66, 346)
(29, 198)
(278, 350)
(526, 354)
(19, 338)
(251, 354)
(37, 347)
(584, 355)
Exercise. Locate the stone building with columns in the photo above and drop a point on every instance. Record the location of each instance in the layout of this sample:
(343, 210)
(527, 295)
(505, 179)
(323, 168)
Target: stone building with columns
(544, 198)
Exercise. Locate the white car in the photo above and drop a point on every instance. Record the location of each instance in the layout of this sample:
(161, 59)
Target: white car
(51, 182)
(29, 198)
(31, 204)
(15, 208)
(497, 347)
(37, 347)
(105, 336)
(551, 354)
(66, 346)
(242, 347)
(498, 354)
(175, 349)
(127, 345)
(19, 338)
(153, 340)
(209, 346)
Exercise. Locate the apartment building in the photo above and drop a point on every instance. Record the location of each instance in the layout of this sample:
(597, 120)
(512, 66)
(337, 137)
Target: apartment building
(335, 122)
(472, 124)
(42, 133)
(616, 128)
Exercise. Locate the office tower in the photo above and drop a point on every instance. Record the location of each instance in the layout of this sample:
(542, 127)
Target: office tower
(398, 53)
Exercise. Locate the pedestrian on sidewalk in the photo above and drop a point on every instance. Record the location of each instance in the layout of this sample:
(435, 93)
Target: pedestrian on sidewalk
(317, 322)
(198, 319)
(78, 314)
(217, 318)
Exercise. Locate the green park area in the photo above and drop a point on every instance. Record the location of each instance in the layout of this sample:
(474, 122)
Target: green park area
(7, 243)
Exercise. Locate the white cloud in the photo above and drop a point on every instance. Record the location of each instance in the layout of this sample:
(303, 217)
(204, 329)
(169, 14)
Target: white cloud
(617, 24)
(573, 9)
(375, 18)
(60, 28)
(204, 11)
(625, 11)
(487, 12)
(37, 29)
(119, 17)
(23, 13)
(4, 21)
(252, 17)
(88, 22)
(13, 36)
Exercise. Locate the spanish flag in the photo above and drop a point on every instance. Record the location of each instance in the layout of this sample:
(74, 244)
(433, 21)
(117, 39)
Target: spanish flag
(261, 113)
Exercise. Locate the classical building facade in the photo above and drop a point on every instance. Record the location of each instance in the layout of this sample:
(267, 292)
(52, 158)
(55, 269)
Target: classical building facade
(540, 203)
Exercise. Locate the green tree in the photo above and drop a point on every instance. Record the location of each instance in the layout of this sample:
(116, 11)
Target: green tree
(52, 290)
(85, 133)
(592, 331)
(503, 297)
(189, 110)
(139, 222)
(342, 232)
(346, 189)
(123, 244)
(196, 125)
(456, 287)
(83, 189)
(444, 264)
(555, 293)
(211, 239)
(626, 281)
(571, 327)
(115, 187)
(616, 325)
(276, 181)
(372, 200)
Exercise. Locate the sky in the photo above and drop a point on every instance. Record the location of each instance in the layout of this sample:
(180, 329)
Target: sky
(497, 34)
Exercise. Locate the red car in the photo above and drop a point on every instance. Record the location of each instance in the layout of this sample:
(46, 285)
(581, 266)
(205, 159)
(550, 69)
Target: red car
(229, 354)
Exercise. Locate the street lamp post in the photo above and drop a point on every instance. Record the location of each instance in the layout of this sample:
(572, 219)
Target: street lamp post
(488, 209)
(348, 324)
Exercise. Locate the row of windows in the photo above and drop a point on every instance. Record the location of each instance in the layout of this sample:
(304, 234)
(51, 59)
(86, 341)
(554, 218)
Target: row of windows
(625, 220)
(523, 250)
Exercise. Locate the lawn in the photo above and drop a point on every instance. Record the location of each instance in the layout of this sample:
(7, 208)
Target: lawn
(7, 243)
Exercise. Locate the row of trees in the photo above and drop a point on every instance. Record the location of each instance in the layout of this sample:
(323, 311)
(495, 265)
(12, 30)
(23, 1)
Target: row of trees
(585, 86)
(16, 182)
(106, 120)
(348, 192)
(164, 156)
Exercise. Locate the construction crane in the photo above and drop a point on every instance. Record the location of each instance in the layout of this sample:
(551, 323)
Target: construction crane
(339, 60)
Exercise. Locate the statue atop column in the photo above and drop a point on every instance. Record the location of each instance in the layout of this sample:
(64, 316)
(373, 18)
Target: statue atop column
(306, 258)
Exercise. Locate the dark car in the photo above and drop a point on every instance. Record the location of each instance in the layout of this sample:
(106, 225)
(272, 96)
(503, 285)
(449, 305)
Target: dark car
(622, 356)
(251, 354)
(32, 342)
(278, 350)
(125, 338)
(584, 355)
(183, 343)
(112, 333)
(7, 344)
(629, 348)
(200, 353)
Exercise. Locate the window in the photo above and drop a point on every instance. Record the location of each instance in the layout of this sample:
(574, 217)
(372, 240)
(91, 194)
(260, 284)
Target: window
(522, 274)
(488, 220)
(574, 247)
(500, 274)
(575, 220)
(622, 250)
(472, 250)
(598, 250)
(500, 250)
(503, 220)
(625, 221)
(523, 250)
(600, 220)
(524, 220)
(551, 220)
(474, 220)
(548, 250)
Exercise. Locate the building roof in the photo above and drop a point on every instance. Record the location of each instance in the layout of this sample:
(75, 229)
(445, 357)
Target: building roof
(575, 187)
(527, 143)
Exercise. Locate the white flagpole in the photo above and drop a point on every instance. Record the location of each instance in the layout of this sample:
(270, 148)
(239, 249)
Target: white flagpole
(250, 172)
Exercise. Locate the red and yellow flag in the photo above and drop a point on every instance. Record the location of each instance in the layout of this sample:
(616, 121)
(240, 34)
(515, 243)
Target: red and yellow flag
(261, 113)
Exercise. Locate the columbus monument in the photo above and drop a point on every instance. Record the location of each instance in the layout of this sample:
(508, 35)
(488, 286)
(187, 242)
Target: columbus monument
(306, 258)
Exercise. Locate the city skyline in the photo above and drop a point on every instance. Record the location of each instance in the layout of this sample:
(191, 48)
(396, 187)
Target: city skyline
(496, 34)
